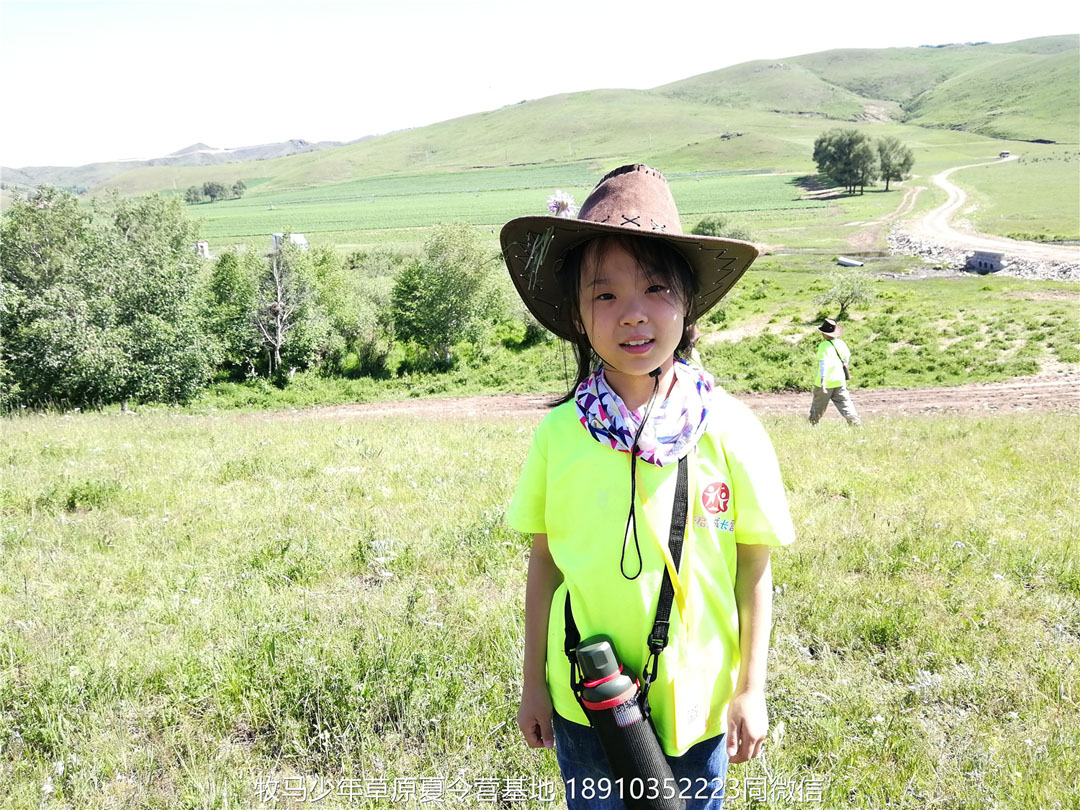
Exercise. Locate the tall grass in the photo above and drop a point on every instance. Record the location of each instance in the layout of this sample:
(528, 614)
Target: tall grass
(191, 603)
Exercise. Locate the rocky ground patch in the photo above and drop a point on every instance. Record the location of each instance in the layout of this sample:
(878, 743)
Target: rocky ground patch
(947, 257)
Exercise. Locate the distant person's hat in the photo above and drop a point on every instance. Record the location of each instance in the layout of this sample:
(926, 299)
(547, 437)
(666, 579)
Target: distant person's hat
(631, 200)
(830, 328)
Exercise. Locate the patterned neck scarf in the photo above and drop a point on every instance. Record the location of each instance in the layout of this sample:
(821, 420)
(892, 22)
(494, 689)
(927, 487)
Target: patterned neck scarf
(674, 426)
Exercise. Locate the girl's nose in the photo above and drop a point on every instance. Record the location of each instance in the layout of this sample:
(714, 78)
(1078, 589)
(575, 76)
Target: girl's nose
(634, 313)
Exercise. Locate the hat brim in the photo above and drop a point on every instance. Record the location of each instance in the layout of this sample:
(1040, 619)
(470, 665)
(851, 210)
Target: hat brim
(835, 333)
(534, 247)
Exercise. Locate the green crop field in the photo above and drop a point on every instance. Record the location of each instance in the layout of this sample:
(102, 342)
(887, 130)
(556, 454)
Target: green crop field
(344, 215)
(195, 607)
(397, 210)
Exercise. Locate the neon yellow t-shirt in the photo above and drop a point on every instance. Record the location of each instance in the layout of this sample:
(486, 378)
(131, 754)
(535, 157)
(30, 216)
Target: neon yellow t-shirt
(830, 369)
(577, 491)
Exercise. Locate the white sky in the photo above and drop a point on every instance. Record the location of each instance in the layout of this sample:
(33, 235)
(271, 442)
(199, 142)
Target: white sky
(93, 81)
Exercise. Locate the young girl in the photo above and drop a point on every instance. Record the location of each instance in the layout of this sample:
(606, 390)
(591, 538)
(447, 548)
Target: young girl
(624, 285)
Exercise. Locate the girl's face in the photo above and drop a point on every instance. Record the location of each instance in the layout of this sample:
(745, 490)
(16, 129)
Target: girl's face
(633, 323)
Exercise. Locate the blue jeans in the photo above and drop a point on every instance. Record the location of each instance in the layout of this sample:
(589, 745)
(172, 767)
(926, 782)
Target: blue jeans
(700, 773)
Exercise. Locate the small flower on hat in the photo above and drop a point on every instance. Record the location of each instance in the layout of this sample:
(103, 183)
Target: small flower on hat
(561, 204)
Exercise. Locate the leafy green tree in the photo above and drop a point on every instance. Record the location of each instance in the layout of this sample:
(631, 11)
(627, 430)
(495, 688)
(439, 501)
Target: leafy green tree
(100, 313)
(44, 240)
(719, 225)
(238, 189)
(293, 329)
(215, 191)
(370, 282)
(230, 310)
(894, 159)
(439, 298)
(847, 289)
(866, 164)
(193, 196)
(847, 156)
(154, 285)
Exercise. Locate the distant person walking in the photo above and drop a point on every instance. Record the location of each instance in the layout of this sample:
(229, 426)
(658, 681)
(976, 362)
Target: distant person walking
(833, 356)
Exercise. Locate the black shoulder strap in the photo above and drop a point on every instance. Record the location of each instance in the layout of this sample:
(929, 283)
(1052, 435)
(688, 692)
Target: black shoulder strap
(843, 362)
(570, 645)
(658, 638)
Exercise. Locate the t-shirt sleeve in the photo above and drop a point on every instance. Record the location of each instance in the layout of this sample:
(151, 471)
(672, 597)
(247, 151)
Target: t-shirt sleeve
(527, 507)
(762, 516)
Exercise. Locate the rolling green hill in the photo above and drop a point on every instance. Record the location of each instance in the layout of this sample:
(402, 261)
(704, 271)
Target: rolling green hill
(599, 125)
(1025, 96)
(1024, 90)
(732, 141)
(782, 87)
(757, 115)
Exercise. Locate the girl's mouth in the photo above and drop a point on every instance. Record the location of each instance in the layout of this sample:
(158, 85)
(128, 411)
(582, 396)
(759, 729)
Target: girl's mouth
(637, 346)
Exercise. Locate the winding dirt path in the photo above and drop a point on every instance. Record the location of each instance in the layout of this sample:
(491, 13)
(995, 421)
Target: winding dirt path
(871, 236)
(936, 227)
(1053, 390)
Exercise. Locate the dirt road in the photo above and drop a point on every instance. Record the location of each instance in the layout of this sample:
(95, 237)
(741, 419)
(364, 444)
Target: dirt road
(1055, 390)
(936, 227)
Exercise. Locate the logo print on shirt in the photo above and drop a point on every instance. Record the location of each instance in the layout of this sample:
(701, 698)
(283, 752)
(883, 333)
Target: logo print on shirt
(715, 498)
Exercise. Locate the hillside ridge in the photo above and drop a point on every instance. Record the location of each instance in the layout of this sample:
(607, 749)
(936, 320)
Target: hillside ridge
(985, 89)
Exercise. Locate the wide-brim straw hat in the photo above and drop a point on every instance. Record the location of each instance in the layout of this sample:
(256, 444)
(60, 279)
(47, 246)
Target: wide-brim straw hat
(831, 328)
(631, 200)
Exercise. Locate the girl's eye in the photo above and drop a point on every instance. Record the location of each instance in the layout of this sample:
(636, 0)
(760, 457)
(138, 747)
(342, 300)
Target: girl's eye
(605, 297)
(657, 288)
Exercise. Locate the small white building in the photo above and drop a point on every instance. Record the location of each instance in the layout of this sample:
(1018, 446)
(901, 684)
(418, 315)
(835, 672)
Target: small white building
(297, 239)
(985, 261)
(202, 249)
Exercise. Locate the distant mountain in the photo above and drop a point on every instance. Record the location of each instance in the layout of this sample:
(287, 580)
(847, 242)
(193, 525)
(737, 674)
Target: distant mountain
(197, 147)
(81, 178)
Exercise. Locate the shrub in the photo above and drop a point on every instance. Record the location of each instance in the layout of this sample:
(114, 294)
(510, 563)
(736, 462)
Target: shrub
(447, 294)
(721, 226)
(847, 289)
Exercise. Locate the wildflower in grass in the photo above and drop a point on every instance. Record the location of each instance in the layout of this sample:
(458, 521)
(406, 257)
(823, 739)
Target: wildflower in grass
(561, 204)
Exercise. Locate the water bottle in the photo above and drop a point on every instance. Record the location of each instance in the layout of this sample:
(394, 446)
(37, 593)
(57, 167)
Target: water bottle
(643, 777)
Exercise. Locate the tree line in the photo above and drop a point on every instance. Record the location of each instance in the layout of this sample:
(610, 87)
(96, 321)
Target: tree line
(214, 191)
(852, 160)
(112, 304)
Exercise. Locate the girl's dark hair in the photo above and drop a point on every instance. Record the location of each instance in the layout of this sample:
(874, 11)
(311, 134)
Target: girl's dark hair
(657, 259)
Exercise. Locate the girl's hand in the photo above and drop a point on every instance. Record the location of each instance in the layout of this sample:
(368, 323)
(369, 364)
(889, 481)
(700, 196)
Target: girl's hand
(748, 723)
(534, 717)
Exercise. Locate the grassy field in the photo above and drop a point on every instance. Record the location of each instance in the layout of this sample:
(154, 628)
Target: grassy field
(945, 331)
(193, 605)
(1034, 197)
